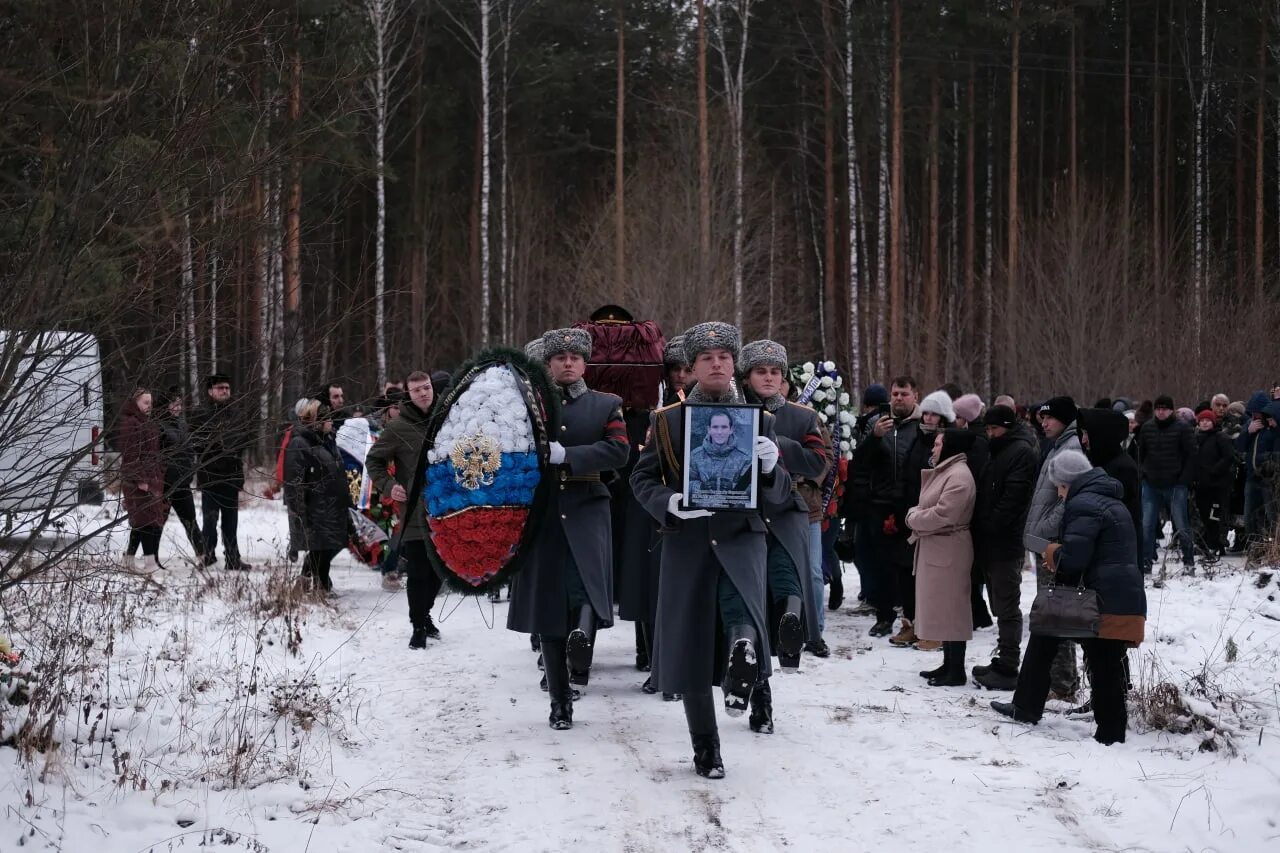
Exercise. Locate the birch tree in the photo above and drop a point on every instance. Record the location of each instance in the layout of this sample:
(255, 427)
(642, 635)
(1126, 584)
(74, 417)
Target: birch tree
(734, 88)
(854, 190)
(189, 300)
(382, 51)
(882, 212)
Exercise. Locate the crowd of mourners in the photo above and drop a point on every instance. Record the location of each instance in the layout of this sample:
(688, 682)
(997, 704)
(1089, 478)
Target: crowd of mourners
(943, 502)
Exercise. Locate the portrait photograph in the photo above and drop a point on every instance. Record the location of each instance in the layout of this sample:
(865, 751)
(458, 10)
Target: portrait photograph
(720, 470)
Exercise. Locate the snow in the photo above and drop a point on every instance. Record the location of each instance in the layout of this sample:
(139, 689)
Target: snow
(356, 743)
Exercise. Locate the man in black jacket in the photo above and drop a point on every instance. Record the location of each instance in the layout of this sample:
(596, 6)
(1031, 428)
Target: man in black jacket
(1102, 435)
(883, 484)
(1005, 487)
(220, 438)
(1167, 457)
(399, 447)
(1215, 475)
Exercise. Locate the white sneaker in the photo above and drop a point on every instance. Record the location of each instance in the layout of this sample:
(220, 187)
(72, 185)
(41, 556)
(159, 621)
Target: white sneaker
(391, 582)
(150, 565)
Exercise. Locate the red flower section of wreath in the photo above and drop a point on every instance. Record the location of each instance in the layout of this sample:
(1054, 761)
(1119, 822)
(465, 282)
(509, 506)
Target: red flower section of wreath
(477, 542)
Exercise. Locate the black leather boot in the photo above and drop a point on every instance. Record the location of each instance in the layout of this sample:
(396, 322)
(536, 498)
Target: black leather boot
(790, 633)
(580, 646)
(761, 718)
(558, 689)
(953, 674)
(700, 713)
(743, 671)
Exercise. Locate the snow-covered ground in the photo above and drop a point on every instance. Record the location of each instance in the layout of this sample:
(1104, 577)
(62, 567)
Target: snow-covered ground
(352, 742)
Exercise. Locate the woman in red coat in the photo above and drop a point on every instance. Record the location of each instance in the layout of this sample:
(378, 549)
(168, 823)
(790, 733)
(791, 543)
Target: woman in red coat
(142, 477)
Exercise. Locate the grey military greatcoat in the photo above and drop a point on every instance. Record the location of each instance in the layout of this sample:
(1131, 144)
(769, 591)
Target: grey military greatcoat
(690, 653)
(577, 525)
(805, 454)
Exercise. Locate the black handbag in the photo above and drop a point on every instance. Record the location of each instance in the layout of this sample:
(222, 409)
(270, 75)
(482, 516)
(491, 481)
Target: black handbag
(1065, 611)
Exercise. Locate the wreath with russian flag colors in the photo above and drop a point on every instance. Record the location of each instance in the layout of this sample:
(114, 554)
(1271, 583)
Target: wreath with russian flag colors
(482, 472)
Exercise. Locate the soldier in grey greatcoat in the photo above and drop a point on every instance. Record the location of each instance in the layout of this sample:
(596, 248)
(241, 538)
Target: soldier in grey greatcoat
(638, 575)
(565, 591)
(762, 366)
(711, 626)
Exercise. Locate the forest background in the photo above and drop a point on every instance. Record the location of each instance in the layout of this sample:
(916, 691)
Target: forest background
(1023, 196)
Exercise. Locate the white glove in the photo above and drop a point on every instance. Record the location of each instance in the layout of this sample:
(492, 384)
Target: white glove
(767, 453)
(673, 508)
(557, 453)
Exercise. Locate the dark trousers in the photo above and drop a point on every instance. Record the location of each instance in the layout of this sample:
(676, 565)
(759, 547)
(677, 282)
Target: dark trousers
(148, 538)
(906, 575)
(221, 501)
(1105, 660)
(870, 554)
(733, 607)
(783, 575)
(1004, 587)
(422, 584)
(185, 506)
(316, 565)
(1063, 673)
(1213, 509)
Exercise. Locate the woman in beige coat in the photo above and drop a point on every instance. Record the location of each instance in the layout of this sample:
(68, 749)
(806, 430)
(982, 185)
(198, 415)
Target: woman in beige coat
(944, 554)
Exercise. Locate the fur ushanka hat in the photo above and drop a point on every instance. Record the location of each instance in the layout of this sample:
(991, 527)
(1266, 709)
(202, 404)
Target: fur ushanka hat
(556, 341)
(709, 336)
(765, 353)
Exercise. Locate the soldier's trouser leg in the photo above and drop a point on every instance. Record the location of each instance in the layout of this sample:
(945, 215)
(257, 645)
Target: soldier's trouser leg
(781, 570)
(582, 635)
(787, 594)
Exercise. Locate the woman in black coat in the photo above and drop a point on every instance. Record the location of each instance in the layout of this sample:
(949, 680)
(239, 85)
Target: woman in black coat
(316, 493)
(1215, 475)
(1096, 552)
(179, 466)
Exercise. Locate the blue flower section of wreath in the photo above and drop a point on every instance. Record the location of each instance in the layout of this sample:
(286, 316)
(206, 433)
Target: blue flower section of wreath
(513, 485)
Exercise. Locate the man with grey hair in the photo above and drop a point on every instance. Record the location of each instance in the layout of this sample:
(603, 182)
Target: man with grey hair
(564, 593)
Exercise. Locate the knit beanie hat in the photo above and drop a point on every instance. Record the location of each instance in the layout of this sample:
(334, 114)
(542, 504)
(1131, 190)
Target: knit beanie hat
(708, 336)
(1060, 408)
(1164, 401)
(969, 407)
(762, 353)
(875, 395)
(1207, 415)
(1187, 415)
(1066, 466)
(940, 404)
(1000, 416)
(673, 353)
(556, 341)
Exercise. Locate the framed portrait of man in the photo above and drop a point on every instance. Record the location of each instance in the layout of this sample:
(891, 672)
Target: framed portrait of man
(720, 470)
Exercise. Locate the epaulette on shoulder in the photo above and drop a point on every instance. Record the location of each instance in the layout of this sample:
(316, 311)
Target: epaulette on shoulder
(614, 398)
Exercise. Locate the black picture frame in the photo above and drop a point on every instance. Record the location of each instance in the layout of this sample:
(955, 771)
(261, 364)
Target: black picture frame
(728, 480)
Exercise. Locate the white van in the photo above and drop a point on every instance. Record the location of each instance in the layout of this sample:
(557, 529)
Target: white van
(50, 422)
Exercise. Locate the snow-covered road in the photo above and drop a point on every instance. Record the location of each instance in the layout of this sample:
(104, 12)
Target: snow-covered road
(449, 748)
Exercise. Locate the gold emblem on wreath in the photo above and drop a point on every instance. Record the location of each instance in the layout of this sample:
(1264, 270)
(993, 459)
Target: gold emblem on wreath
(476, 458)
